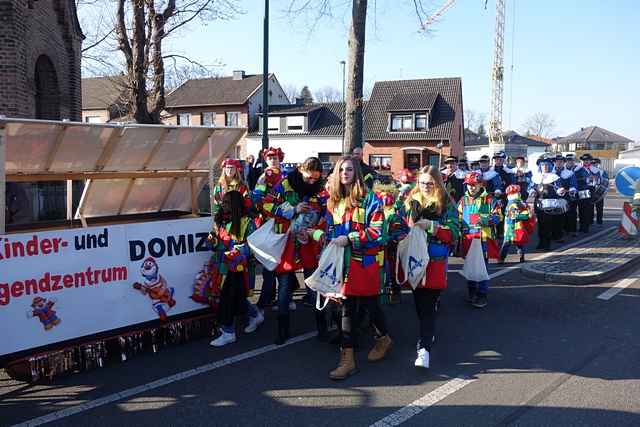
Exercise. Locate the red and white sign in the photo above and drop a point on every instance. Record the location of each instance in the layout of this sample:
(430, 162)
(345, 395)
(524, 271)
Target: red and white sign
(61, 285)
(629, 223)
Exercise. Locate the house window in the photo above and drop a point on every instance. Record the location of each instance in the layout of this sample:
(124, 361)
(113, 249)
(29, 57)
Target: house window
(380, 162)
(232, 119)
(582, 146)
(274, 124)
(184, 119)
(413, 161)
(208, 118)
(401, 122)
(434, 160)
(295, 124)
(421, 122)
(93, 119)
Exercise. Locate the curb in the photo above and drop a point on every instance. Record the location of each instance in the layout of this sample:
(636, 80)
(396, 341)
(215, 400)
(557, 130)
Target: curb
(578, 278)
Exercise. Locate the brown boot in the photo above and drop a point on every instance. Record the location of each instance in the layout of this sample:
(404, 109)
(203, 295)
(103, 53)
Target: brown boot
(346, 367)
(380, 349)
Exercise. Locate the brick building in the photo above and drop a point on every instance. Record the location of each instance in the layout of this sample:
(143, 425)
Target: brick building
(413, 123)
(40, 42)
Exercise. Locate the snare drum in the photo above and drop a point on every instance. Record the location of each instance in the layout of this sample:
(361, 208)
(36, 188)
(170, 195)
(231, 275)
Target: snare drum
(553, 206)
(584, 194)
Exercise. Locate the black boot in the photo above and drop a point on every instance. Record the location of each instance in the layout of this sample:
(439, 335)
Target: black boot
(321, 325)
(283, 329)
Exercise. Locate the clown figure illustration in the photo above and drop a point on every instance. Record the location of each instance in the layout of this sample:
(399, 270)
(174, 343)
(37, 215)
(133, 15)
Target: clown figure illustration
(155, 286)
(42, 308)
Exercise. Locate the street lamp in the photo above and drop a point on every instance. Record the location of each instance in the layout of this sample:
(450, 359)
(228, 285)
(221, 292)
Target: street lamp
(439, 147)
(344, 106)
(265, 79)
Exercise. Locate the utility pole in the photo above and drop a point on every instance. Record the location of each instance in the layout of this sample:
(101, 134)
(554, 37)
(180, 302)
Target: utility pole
(265, 79)
(344, 107)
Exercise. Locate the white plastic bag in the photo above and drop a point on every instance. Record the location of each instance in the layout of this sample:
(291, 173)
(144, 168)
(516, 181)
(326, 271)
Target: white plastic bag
(267, 245)
(475, 269)
(328, 278)
(413, 255)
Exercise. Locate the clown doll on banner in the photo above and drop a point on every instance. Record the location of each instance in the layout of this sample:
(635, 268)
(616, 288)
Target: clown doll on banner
(518, 223)
(479, 215)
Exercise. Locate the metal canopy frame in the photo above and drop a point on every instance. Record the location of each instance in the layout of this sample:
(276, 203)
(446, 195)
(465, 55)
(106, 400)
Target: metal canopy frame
(127, 168)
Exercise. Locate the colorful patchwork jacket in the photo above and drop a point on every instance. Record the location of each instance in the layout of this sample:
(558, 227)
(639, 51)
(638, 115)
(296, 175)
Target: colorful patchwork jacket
(442, 235)
(231, 252)
(364, 257)
(269, 196)
(516, 214)
(479, 216)
(218, 194)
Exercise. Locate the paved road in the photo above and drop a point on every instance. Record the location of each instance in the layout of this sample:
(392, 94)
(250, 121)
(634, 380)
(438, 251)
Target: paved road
(540, 354)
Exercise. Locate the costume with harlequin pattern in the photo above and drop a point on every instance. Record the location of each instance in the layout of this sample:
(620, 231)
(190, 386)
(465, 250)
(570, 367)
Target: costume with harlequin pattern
(479, 214)
(517, 226)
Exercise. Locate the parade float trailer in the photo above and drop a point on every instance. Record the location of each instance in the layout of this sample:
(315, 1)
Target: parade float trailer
(116, 277)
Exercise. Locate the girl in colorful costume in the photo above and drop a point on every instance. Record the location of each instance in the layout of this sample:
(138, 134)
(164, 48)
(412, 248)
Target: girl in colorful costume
(230, 179)
(232, 226)
(517, 226)
(305, 241)
(430, 208)
(355, 220)
(275, 199)
(479, 214)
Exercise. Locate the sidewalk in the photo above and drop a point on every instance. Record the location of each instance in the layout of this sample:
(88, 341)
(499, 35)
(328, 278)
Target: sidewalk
(589, 262)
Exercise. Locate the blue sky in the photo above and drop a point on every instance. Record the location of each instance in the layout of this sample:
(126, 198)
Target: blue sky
(577, 60)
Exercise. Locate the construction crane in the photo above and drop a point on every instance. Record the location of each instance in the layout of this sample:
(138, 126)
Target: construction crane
(497, 69)
(497, 79)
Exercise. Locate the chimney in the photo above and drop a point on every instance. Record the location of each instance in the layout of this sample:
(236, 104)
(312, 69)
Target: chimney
(299, 101)
(238, 75)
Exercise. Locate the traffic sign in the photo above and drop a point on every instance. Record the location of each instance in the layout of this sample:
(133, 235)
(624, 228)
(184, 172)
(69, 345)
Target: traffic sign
(628, 181)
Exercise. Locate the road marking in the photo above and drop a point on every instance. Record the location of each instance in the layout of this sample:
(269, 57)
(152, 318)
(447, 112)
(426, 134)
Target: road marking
(619, 287)
(92, 404)
(430, 399)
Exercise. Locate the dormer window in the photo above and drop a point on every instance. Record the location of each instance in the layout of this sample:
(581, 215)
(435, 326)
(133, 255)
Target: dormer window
(295, 124)
(273, 125)
(401, 122)
(409, 122)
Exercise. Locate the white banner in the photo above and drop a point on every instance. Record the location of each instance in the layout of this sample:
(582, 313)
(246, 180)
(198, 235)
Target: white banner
(60, 285)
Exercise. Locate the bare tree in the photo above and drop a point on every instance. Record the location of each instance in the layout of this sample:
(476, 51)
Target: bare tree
(539, 124)
(328, 94)
(291, 91)
(354, 100)
(474, 120)
(138, 29)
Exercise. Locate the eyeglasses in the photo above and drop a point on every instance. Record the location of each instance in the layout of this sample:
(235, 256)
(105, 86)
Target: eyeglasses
(427, 184)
